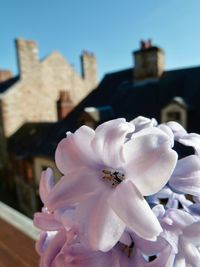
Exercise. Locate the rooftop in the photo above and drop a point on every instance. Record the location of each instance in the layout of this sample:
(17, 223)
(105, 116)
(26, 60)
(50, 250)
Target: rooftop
(127, 100)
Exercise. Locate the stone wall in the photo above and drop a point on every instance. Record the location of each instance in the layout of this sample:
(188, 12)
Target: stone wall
(149, 62)
(33, 98)
(27, 56)
(89, 69)
(3, 145)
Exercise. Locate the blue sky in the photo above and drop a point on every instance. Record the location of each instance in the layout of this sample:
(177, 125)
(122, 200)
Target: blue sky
(111, 29)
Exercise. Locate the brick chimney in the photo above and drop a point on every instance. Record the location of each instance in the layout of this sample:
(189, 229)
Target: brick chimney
(27, 55)
(89, 69)
(148, 61)
(64, 104)
(5, 75)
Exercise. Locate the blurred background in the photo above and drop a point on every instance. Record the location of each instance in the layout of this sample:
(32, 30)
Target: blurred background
(68, 63)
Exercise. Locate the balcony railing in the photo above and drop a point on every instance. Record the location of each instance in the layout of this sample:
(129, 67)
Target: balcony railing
(18, 220)
(17, 239)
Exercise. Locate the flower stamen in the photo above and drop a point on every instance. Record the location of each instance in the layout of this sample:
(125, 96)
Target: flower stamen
(113, 177)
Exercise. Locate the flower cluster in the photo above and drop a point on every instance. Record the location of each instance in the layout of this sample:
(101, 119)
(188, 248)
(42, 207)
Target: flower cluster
(126, 198)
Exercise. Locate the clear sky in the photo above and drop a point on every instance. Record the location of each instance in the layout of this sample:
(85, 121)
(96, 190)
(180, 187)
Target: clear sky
(112, 29)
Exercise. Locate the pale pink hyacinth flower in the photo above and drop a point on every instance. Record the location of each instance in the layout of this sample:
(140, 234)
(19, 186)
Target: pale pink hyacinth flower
(108, 174)
(178, 244)
(59, 244)
(141, 123)
(52, 220)
(186, 176)
(62, 249)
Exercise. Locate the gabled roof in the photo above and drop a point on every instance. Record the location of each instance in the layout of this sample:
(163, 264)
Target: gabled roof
(126, 99)
(8, 83)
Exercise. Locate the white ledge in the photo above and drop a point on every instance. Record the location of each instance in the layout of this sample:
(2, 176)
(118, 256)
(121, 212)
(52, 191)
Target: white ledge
(18, 220)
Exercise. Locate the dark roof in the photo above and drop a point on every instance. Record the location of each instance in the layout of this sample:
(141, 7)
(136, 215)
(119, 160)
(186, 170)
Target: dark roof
(127, 100)
(8, 83)
(28, 140)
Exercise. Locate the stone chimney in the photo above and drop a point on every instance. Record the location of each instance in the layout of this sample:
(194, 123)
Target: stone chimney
(148, 61)
(5, 75)
(64, 104)
(89, 69)
(27, 54)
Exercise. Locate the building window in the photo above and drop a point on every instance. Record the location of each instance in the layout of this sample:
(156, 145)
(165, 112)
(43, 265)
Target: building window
(177, 111)
(174, 116)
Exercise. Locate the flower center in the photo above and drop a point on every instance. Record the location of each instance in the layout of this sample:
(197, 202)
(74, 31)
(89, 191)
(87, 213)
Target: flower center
(114, 177)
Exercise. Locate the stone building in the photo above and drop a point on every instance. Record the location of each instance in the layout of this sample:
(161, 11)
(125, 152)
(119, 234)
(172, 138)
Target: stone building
(144, 89)
(44, 91)
(32, 95)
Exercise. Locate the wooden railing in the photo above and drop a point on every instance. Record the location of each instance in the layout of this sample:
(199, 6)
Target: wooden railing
(18, 220)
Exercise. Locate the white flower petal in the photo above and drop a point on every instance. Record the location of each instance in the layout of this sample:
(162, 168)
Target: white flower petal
(109, 139)
(195, 209)
(40, 245)
(190, 252)
(186, 176)
(192, 233)
(168, 131)
(100, 227)
(83, 140)
(193, 140)
(75, 151)
(132, 208)
(180, 219)
(150, 248)
(180, 261)
(46, 221)
(79, 256)
(142, 122)
(46, 184)
(53, 248)
(188, 185)
(177, 129)
(66, 156)
(73, 188)
(126, 238)
(150, 161)
(186, 166)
